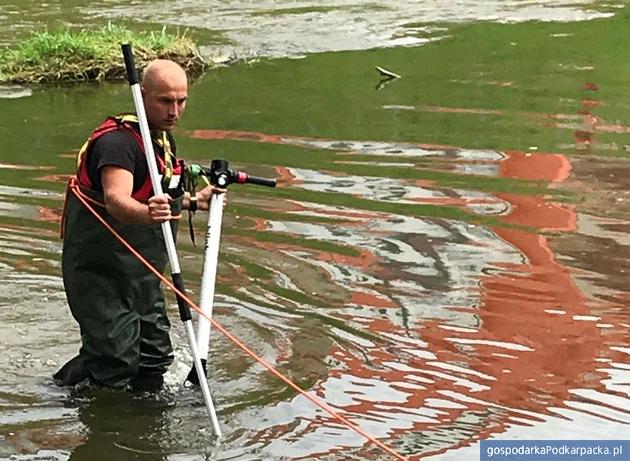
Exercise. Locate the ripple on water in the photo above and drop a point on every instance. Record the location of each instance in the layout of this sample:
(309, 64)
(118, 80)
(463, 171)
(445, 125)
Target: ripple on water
(272, 28)
(14, 92)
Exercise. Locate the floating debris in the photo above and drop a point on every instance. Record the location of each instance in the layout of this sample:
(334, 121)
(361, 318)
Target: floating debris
(386, 73)
(386, 77)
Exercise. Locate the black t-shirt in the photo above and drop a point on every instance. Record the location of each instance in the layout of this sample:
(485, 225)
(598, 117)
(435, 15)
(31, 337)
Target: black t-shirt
(120, 148)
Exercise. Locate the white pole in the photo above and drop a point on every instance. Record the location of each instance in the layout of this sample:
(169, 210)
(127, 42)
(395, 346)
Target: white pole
(184, 309)
(208, 281)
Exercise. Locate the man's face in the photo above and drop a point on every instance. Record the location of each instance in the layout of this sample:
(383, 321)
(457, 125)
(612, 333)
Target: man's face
(165, 101)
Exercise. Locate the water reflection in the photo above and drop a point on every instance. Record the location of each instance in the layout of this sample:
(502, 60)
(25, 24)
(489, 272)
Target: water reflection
(434, 333)
(119, 427)
(295, 29)
(461, 298)
(477, 329)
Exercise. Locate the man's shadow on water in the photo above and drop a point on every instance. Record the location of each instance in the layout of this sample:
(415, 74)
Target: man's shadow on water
(122, 426)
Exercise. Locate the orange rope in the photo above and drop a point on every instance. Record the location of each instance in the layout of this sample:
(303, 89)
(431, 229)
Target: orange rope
(233, 338)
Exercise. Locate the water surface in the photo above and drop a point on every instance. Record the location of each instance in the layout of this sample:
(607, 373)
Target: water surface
(443, 262)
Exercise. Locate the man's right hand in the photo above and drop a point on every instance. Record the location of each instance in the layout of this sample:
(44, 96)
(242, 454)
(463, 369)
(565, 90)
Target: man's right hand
(160, 209)
(117, 189)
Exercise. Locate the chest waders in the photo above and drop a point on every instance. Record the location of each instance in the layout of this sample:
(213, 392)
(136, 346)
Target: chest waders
(117, 302)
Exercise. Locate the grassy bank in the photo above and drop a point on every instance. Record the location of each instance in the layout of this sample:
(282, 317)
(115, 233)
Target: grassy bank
(68, 55)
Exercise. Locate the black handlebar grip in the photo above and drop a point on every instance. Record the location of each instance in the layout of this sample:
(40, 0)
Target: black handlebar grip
(130, 64)
(261, 181)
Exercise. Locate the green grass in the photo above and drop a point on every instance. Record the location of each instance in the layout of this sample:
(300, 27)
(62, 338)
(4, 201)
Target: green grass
(80, 55)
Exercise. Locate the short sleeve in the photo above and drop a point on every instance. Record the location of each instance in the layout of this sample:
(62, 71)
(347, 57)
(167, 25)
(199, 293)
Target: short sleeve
(116, 148)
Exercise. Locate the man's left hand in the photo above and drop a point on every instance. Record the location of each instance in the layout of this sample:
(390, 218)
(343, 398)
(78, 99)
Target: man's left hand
(204, 195)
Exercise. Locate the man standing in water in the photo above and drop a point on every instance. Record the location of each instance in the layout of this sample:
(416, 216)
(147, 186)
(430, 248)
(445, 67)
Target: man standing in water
(117, 302)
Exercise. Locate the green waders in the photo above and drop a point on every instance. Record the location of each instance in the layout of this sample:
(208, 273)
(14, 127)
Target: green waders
(116, 300)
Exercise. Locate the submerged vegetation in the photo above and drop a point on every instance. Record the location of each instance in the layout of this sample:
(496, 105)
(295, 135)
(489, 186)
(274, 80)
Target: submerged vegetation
(69, 55)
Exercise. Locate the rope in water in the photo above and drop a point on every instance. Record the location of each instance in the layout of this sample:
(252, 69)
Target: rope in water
(324, 406)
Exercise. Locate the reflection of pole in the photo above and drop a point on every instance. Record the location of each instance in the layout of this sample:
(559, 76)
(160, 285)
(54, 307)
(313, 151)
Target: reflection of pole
(584, 136)
(220, 176)
(184, 309)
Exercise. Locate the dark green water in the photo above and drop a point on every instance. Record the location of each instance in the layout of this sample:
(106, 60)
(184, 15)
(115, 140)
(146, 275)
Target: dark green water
(444, 260)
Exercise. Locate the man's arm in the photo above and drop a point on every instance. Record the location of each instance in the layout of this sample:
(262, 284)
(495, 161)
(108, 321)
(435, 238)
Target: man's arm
(117, 188)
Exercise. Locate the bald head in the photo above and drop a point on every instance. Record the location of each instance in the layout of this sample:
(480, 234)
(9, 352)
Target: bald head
(159, 71)
(164, 91)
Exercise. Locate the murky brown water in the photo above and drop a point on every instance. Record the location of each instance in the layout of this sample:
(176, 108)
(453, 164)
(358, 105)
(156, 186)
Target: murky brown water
(444, 262)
